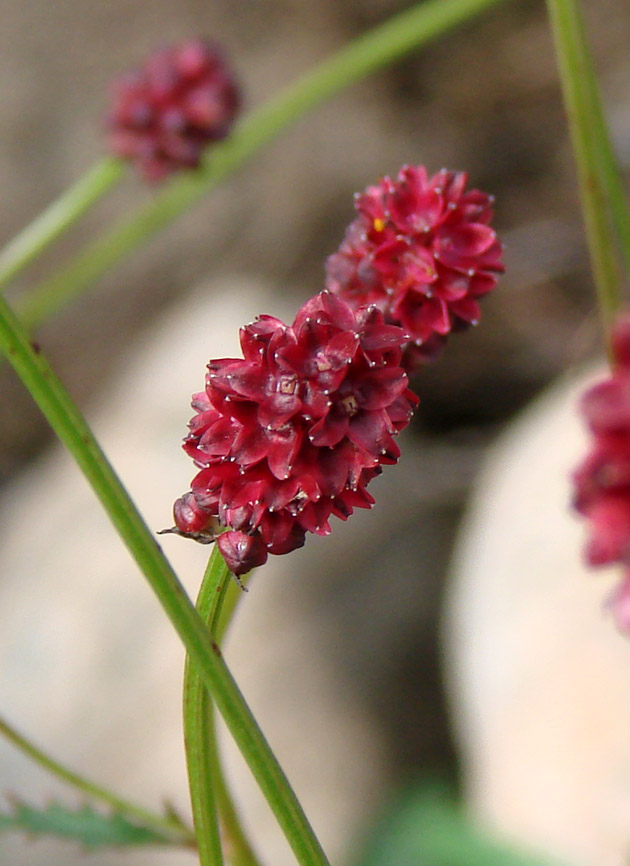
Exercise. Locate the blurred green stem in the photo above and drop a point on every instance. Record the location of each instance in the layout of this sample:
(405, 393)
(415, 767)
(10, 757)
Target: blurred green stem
(364, 55)
(57, 217)
(598, 176)
(208, 790)
(612, 177)
(171, 828)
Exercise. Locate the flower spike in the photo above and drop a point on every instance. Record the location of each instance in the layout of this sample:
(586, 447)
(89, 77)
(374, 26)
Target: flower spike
(602, 481)
(422, 250)
(294, 431)
(167, 112)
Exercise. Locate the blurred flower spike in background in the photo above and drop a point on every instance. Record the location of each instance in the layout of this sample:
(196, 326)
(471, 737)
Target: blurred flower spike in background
(165, 114)
(602, 481)
(422, 250)
(294, 431)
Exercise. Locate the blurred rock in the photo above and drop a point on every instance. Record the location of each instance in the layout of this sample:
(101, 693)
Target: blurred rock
(539, 683)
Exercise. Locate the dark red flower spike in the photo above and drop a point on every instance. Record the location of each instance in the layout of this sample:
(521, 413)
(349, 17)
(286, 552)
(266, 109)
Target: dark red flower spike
(421, 249)
(165, 114)
(294, 431)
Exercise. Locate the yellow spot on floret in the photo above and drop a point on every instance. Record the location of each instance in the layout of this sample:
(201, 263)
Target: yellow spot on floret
(379, 224)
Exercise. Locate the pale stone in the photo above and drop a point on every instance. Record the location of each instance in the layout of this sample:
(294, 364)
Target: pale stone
(539, 677)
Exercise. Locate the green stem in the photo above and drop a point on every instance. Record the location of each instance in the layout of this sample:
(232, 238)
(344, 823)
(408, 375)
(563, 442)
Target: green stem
(365, 55)
(580, 95)
(74, 433)
(238, 845)
(59, 216)
(207, 785)
(172, 829)
(198, 731)
(612, 177)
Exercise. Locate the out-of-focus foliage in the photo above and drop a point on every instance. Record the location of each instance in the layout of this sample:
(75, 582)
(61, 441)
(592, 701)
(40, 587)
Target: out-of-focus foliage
(85, 825)
(426, 827)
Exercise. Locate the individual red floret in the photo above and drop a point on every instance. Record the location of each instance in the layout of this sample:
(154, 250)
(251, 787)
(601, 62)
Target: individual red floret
(242, 551)
(165, 113)
(422, 250)
(602, 481)
(294, 431)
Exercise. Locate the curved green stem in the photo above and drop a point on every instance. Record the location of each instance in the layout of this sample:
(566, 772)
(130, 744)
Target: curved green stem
(368, 53)
(207, 785)
(171, 828)
(57, 217)
(74, 433)
(581, 96)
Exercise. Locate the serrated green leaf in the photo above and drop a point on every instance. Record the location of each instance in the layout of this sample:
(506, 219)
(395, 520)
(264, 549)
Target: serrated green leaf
(426, 827)
(85, 825)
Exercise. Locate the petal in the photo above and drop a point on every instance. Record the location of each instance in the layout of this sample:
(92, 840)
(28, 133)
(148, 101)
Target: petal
(401, 410)
(329, 430)
(282, 447)
(246, 380)
(452, 286)
(277, 409)
(413, 205)
(250, 445)
(379, 388)
(200, 402)
(386, 259)
(338, 352)
(370, 203)
(315, 401)
(467, 240)
(466, 309)
(422, 316)
(332, 471)
(606, 405)
(261, 330)
(218, 439)
(340, 313)
(369, 430)
(278, 494)
(620, 339)
(293, 541)
(314, 518)
(610, 531)
(452, 182)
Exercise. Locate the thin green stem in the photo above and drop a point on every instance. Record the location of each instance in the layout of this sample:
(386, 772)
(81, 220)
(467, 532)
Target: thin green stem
(365, 55)
(58, 217)
(74, 433)
(197, 730)
(207, 784)
(608, 163)
(172, 829)
(580, 95)
(237, 843)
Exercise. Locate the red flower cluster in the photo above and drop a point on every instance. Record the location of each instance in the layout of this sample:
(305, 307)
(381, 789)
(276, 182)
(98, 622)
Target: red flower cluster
(166, 113)
(295, 430)
(422, 250)
(602, 481)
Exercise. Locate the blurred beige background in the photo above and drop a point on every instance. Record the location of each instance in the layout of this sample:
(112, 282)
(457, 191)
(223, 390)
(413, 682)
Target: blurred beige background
(484, 99)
